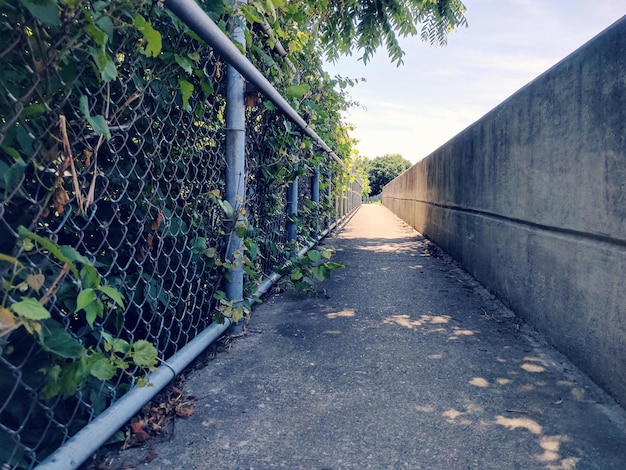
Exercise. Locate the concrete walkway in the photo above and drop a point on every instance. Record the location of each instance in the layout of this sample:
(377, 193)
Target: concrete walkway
(408, 364)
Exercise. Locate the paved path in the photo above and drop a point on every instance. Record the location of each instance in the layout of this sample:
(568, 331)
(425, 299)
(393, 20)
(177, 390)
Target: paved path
(408, 364)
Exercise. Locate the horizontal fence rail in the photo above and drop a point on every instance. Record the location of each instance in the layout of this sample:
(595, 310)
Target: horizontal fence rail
(115, 229)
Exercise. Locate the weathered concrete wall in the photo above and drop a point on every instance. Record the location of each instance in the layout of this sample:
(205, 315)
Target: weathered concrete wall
(531, 199)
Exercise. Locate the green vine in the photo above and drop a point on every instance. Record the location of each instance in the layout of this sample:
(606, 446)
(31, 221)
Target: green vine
(80, 352)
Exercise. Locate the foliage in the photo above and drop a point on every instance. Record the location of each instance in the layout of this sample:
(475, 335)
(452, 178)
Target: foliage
(342, 27)
(303, 271)
(360, 165)
(381, 170)
(83, 349)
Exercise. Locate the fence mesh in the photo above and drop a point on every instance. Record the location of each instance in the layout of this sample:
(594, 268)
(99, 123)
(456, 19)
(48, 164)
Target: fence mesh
(126, 168)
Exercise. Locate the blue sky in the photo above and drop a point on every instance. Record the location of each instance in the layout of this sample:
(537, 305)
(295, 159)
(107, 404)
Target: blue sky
(439, 91)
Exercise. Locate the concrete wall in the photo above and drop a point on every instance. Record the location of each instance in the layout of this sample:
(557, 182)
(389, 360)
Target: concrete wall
(531, 199)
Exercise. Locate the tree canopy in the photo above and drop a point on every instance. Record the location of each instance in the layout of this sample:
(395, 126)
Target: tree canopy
(381, 170)
(346, 27)
(362, 26)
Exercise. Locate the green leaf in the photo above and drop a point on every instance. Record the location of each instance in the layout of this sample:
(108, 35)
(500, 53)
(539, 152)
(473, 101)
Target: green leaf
(35, 109)
(186, 90)
(97, 123)
(113, 294)
(108, 73)
(314, 255)
(106, 24)
(154, 42)
(85, 298)
(105, 64)
(90, 276)
(100, 126)
(14, 176)
(240, 231)
(101, 367)
(144, 354)
(334, 266)
(185, 63)
(253, 250)
(11, 151)
(45, 11)
(320, 272)
(296, 275)
(94, 310)
(269, 105)
(30, 309)
(117, 345)
(297, 91)
(59, 342)
(226, 207)
(65, 379)
(99, 36)
(207, 86)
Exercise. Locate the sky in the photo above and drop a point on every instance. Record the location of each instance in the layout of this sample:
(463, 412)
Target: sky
(439, 91)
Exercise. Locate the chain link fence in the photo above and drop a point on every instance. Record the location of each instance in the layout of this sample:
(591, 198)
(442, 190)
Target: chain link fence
(122, 171)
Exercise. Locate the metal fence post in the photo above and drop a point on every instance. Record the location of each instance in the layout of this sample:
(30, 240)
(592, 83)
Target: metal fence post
(235, 169)
(329, 194)
(315, 197)
(292, 208)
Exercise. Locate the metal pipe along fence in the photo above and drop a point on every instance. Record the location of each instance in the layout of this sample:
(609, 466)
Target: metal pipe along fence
(118, 219)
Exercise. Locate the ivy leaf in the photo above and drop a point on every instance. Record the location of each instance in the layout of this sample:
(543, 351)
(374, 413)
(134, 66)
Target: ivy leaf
(186, 89)
(153, 39)
(105, 64)
(99, 36)
(297, 91)
(13, 177)
(334, 266)
(93, 311)
(97, 123)
(314, 255)
(59, 342)
(105, 24)
(240, 231)
(30, 309)
(115, 344)
(11, 151)
(226, 207)
(113, 294)
(320, 272)
(100, 367)
(45, 11)
(253, 250)
(35, 109)
(85, 298)
(144, 354)
(185, 63)
(109, 73)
